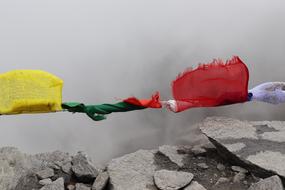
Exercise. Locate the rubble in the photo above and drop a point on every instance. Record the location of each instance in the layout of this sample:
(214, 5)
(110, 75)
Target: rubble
(83, 170)
(242, 150)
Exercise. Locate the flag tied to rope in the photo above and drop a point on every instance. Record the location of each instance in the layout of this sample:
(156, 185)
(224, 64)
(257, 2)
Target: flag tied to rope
(98, 112)
(29, 91)
(209, 85)
(213, 84)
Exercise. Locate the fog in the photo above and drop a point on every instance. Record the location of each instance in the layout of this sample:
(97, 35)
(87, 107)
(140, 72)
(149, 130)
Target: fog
(111, 49)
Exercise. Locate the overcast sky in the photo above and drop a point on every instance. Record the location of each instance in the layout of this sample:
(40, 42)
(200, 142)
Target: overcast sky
(109, 49)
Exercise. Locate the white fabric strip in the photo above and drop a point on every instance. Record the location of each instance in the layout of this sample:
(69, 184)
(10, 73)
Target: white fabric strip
(270, 92)
(170, 105)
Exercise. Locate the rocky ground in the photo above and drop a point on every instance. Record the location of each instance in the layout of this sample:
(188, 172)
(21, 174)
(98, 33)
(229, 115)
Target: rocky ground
(242, 155)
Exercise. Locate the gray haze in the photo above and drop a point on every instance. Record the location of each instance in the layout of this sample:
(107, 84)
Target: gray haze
(111, 49)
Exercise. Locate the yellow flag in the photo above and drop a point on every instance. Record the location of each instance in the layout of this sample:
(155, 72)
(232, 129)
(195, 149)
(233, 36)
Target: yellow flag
(29, 91)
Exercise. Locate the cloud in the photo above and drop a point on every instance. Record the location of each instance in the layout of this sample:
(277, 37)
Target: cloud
(113, 49)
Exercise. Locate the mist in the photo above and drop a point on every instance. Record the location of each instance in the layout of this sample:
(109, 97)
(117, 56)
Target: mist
(112, 49)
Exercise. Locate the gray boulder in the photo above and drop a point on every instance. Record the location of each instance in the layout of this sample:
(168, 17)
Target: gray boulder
(45, 181)
(28, 181)
(172, 180)
(101, 181)
(56, 185)
(13, 165)
(23, 172)
(55, 159)
(256, 146)
(66, 168)
(172, 154)
(133, 171)
(271, 183)
(59, 162)
(83, 169)
(46, 173)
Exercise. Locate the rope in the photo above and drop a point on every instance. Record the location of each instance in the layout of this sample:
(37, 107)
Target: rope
(98, 112)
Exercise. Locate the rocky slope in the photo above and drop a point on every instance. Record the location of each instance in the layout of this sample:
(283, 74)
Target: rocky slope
(244, 155)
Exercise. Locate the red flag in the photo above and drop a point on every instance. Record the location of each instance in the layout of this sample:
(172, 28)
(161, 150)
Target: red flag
(212, 84)
(154, 102)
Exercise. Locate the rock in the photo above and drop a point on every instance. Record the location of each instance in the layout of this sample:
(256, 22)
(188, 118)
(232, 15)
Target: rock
(66, 168)
(271, 183)
(13, 164)
(133, 171)
(46, 173)
(45, 181)
(172, 154)
(55, 159)
(221, 167)
(56, 185)
(195, 186)
(81, 186)
(27, 181)
(101, 181)
(198, 150)
(239, 169)
(82, 168)
(19, 169)
(239, 177)
(222, 180)
(60, 174)
(172, 180)
(70, 187)
(256, 146)
(203, 166)
(59, 161)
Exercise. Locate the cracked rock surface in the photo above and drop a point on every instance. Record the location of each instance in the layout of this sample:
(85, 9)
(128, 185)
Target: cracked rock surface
(257, 146)
(133, 171)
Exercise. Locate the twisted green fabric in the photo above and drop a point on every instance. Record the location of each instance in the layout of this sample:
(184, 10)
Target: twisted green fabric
(98, 112)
